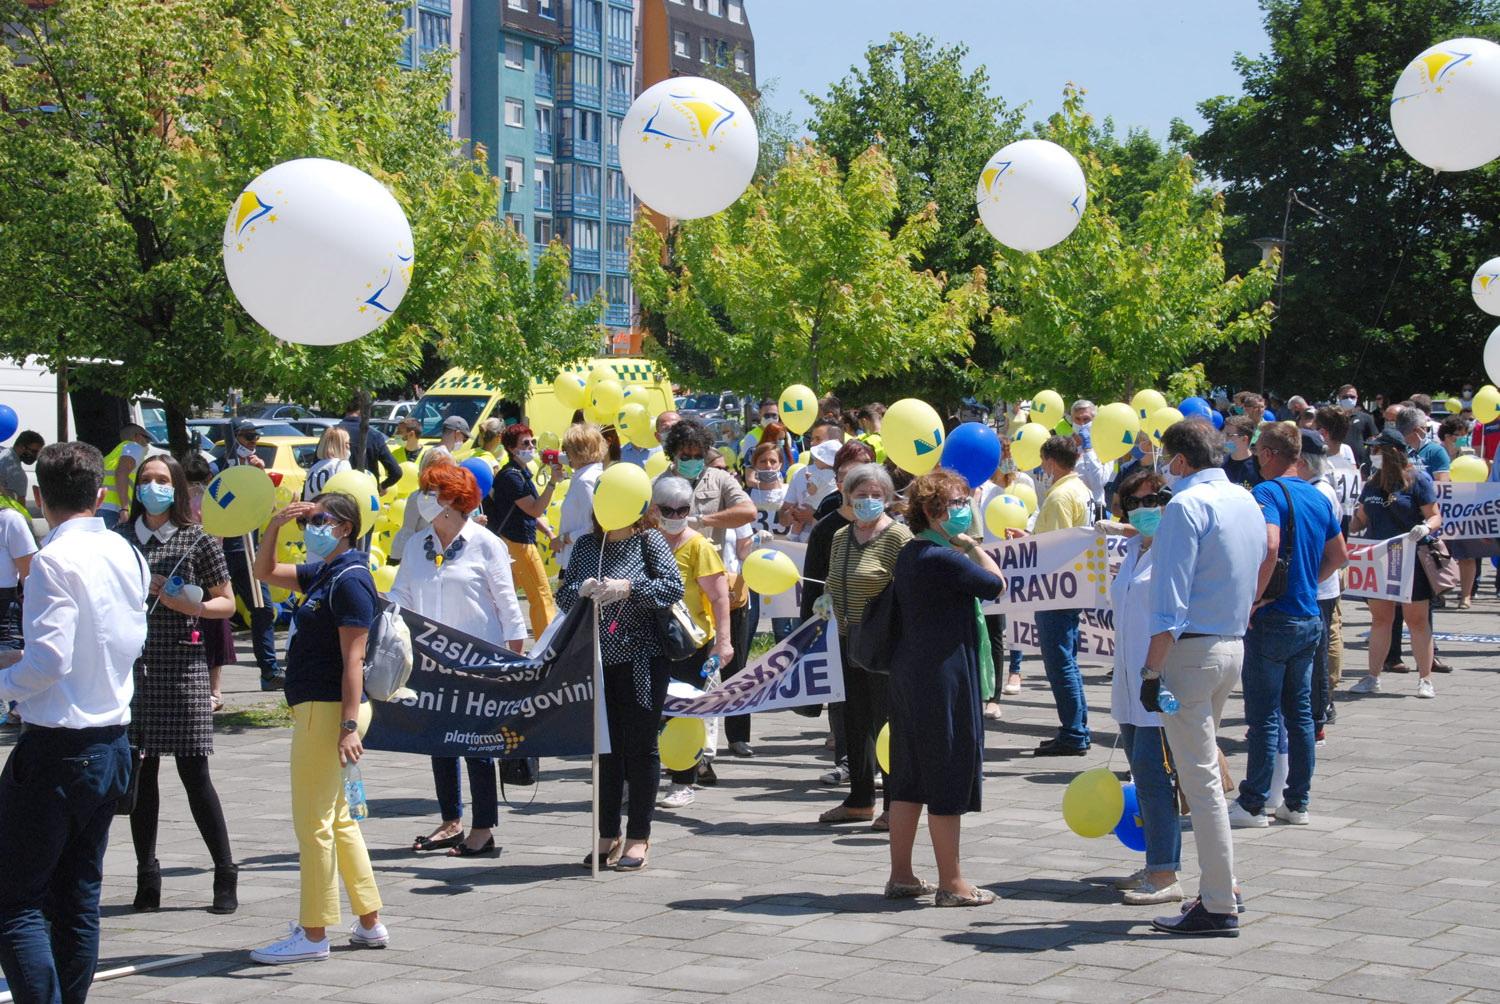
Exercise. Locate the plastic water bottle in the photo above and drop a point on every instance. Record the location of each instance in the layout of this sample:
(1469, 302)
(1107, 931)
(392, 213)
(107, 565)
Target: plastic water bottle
(711, 667)
(177, 586)
(1167, 701)
(354, 791)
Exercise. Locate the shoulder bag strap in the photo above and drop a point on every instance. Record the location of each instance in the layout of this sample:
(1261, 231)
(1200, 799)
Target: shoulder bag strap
(1290, 539)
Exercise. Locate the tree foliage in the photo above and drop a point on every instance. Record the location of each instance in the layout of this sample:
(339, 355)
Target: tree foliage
(805, 280)
(1382, 250)
(1127, 299)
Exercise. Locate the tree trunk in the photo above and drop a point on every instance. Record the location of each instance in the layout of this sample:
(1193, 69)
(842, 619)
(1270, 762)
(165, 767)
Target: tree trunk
(359, 459)
(177, 431)
(812, 345)
(62, 398)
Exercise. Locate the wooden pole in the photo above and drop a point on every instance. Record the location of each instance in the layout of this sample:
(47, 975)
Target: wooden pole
(257, 598)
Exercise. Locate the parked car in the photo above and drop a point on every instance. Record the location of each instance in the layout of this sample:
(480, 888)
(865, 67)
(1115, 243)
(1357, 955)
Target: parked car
(314, 427)
(708, 407)
(391, 411)
(217, 429)
(287, 460)
(276, 410)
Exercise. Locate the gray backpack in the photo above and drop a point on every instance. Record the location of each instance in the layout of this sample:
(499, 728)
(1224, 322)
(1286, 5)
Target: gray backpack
(388, 658)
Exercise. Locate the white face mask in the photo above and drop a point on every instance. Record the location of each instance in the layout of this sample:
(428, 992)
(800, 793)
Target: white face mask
(1375, 461)
(428, 506)
(1347, 402)
(674, 526)
(243, 452)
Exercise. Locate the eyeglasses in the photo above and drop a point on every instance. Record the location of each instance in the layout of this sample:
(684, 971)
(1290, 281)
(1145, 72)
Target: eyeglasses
(1153, 501)
(677, 512)
(316, 519)
(527, 444)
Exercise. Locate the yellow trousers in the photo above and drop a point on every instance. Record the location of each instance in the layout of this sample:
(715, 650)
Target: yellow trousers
(531, 576)
(328, 840)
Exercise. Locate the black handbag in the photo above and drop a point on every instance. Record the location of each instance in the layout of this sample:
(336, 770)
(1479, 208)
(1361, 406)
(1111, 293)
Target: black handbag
(519, 772)
(125, 804)
(1276, 585)
(873, 641)
(680, 637)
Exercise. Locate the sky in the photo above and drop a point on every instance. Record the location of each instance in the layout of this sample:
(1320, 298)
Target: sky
(1142, 62)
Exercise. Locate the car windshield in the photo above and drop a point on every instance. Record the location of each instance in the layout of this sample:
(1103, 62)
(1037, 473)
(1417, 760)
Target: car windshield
(155, 421)
(702, 402)
(433, 408)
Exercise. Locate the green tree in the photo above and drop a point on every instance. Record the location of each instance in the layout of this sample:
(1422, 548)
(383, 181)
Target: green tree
(1123, 302)
(1381, 249)
(803, 280)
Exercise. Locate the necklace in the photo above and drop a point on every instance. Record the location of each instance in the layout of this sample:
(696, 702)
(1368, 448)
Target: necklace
(448, 554)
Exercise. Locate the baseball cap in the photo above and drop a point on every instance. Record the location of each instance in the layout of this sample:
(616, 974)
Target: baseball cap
(1312, 443)
(456, 423)
(1388, 437)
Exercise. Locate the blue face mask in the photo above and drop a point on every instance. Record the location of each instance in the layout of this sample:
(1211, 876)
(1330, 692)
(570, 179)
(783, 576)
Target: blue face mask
(156, 498)
(691, 469)
(1146, 520)
(868, 510)
(321, 541)
(960, 518)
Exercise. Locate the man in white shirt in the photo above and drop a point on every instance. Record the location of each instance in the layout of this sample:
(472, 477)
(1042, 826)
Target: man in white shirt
(1092, 471)
(84, 618)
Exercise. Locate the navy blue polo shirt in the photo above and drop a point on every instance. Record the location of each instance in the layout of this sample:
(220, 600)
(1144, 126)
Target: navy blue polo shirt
(336, 594)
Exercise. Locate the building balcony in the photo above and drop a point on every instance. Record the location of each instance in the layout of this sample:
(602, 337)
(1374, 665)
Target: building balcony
(542, 143)
(543, 200)
(613, 153)
(579, 149)
(587, 95)
(619, 210)
(585, 260)
(617, 314)
(627, 4)
(620, 50)
(542, 87)
(619, 102)
(586, 205)
(617, 261)
(583, 39)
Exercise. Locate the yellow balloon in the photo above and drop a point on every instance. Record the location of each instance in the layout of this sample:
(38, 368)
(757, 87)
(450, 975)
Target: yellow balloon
(1048, 406)
(1467, 470)
(385, 578)
(1160, 421)
(913, 435)
(377, 557)
(769, 572)
(550, 440)
(409, 479)
(393, 514)
(1454, 405)
(1005, 512)
(291, 548)
(883, 748)
(569, 388)
(1026, 446)
(681, 742)
(1486, 404)
(635, 424)
(606, 397)
(1147, 402)
(238, 500)
(1115, 430)
(601, 372)
(798, 407)
(621, 496)
(656, 465)
(363, 489)
(1025, 493)
(1094, 802)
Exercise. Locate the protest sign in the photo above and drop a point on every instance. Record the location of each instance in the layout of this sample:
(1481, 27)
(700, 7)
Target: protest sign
(1096, 636)
(804, 669)
(474, 698)
(1060, 570)
(1470, 511)
(1380, 569)
(786, 604)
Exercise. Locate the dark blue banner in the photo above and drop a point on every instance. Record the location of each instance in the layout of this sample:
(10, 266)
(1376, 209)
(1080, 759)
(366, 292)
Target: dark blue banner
(473, 698)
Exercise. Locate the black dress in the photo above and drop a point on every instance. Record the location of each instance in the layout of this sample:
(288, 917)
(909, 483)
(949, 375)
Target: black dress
(172, 712)
(937, 735)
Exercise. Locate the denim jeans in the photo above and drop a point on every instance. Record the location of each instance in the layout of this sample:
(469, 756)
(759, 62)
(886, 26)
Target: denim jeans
(1321, 679)
(1277, 676)
(57, 800)
(450, 794)
(1057, 632)
(1151, 770)
(262, 618)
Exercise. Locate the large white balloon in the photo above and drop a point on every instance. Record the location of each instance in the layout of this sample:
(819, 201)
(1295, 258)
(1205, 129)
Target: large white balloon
(1492, 356)
(1486, 286)
(318, 252)
(688, 147)
(1443, 107)
(1031, 194)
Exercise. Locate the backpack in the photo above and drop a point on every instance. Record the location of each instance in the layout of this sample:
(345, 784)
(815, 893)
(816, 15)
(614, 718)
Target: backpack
(388, 658)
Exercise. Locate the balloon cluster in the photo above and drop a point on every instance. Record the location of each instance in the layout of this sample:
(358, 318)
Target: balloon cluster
(1095, 803)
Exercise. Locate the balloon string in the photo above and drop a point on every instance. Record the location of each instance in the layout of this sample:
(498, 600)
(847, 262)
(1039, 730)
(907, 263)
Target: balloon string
(1109, 764)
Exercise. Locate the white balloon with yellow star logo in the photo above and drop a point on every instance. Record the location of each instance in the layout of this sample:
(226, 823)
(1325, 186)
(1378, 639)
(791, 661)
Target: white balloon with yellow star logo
(688, 147)
(1443, 109)
(1486, 286)
(1031, 194)
(318, 252)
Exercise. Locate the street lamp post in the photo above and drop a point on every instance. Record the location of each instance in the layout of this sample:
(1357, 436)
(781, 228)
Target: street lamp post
(1269, 247)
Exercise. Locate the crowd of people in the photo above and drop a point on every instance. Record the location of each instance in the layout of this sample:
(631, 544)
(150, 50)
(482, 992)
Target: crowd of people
(1230, 577)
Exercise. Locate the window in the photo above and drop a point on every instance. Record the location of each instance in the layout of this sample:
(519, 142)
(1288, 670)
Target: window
(586, 235)
(515, 54)
(680, 43)
(736, 11)
(619, 77)
(700, 4)
(544, 65)
(741, 60)
(588, 16)
(515, 113)
(617, 189)
(617, 288)
(705, 51)
(619, 238)
(515, 169)
(432, 31)
(544, 8)
(542, 175)
(516, 223)
(544, 120)
(565, 182)
(516, 4)
(585, 285)
(587, 124)
(586, 71)
(564, 68)
(541, 230)
(615, 125)
(586, 181)
(565, 125)
(621, 24)
(721, 53)
(716, 7)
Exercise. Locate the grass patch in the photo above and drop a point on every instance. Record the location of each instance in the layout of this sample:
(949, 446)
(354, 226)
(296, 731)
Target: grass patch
(761, 644)
(262, 716)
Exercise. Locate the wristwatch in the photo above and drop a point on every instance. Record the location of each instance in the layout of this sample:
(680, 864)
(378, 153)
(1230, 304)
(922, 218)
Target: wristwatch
(1147, 673)
(349, 725)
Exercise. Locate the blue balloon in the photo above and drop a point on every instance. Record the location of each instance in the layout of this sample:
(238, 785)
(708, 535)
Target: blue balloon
(10, 422)
(1195, 407)
(1269, 416)
(482, 473)
(1130, 829)
(973, 451)
(1216, 419)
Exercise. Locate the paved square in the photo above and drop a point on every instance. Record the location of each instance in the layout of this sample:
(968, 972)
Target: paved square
(1392, 894)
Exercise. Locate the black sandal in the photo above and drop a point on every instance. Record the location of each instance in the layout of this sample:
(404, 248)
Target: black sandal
(610, 856)
(486, 850)
(426, 843)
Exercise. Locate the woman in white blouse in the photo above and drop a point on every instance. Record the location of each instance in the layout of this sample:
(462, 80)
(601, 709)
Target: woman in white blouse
(458, 573)
(587, 451)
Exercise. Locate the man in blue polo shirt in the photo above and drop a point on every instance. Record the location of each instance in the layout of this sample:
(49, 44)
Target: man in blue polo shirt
(1282, 641)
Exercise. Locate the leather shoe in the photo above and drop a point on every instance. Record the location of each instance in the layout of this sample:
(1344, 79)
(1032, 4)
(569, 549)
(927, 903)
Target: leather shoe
(1054, 748)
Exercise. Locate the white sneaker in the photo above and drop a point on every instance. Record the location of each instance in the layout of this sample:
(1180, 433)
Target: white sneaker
(361, 936)
(295, 947)
(1240, 818)
(1132, 881)
(1297, 817)
(1148, 895)
(678, 796)
(1425, 689)
(1369, 685)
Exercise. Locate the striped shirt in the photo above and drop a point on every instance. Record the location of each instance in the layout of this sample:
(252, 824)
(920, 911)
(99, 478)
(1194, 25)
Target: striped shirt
(858, 572)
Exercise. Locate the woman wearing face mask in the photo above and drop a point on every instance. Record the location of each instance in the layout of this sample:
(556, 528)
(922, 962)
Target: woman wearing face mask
(416, 517)
(767, 489)
(937, 735)
(1142, 495)
(1005, 478)
(171, 713)
(325, 689)
(706, 593)
(457, 572)
(517, 512)
(860, 565)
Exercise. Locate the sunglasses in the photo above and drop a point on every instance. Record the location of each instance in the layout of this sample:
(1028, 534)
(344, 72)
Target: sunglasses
(676, 513)
(1154, 501)
(316, 519)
